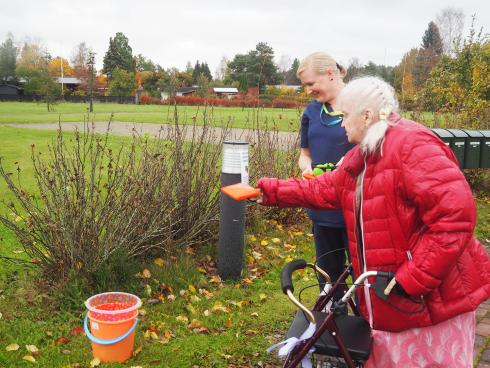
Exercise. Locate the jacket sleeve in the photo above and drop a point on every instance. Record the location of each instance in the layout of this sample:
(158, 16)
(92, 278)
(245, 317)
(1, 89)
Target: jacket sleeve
(319, 193)
(433, 182)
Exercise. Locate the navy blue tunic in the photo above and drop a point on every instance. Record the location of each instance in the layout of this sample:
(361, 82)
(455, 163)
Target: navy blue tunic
(327, 143)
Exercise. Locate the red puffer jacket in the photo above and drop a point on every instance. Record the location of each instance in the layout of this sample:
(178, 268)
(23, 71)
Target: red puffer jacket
(417, 217)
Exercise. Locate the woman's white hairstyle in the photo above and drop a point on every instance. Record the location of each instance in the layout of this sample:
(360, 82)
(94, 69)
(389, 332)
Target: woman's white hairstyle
(375, 94)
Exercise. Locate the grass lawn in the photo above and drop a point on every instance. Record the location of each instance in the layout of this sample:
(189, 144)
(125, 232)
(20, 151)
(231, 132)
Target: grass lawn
(208, 324)
(31, 112)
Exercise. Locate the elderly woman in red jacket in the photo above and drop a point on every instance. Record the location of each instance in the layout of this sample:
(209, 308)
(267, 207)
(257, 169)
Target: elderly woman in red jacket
(408, 210)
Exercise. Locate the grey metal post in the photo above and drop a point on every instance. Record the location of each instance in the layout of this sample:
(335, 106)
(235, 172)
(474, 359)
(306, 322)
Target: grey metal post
(232, 213)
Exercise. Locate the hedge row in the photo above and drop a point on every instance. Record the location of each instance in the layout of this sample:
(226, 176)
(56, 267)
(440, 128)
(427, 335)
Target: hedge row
(235, 102)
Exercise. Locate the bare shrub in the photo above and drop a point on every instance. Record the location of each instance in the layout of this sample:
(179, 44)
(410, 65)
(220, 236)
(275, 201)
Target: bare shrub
(93, 200)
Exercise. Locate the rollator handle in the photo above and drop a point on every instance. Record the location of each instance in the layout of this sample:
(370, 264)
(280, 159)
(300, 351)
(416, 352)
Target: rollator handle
(287, 272)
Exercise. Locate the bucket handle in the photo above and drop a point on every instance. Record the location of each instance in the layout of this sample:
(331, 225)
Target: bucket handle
(107, 342)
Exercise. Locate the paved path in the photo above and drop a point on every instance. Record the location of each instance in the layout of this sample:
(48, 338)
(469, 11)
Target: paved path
(125, 128)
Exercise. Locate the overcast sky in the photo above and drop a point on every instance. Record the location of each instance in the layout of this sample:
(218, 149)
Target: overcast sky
(171, 33)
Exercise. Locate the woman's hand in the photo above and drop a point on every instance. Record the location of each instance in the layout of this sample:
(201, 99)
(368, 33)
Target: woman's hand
(307, 172)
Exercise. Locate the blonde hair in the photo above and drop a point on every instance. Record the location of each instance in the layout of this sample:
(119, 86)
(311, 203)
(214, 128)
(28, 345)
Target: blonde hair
(375, 94)
(320, 62)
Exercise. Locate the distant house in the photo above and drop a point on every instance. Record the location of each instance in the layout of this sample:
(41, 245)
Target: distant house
(228, 92)
(186, 91)
(69, 82)
(9, 90)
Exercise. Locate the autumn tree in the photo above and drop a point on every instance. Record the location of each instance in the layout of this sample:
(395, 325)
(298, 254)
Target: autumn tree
(59, 66)
(460, 84)
(122, 83)
(403, 79)
(8, 56)
(119, 55)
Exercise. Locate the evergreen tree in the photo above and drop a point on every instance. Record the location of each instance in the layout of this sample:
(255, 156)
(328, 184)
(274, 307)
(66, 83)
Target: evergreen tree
(205, 70)
(119, 55)
(196, 72)
(432, 39)
(8, 56)
(291, 77)
(257, 67)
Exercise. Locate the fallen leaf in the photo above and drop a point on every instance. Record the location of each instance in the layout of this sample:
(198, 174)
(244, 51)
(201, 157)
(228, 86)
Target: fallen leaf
(66, 351)
(264, 243)
(29, 358)
(256, 255)
(76, 330)
(206, 312)
(1, 315)
(171, 297)
(253, 238)
(95, 362)
(228, 323)
(276, 240)
(289, 246)
(254, 314)
(142, 312)
(215, 279)
(262, 296)
(182, 319)
(146, 273)
(159, 262)
(208, 295)
(192, 288)
(32, 349)
(217, 308)
(12, 347)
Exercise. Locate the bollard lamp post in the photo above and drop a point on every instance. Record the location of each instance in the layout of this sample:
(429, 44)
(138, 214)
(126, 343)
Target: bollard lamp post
(234, 170)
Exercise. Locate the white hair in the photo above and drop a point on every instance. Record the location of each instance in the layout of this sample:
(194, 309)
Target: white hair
(375, 94)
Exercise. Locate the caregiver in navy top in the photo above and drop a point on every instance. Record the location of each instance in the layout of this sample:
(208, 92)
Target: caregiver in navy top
(323, 140)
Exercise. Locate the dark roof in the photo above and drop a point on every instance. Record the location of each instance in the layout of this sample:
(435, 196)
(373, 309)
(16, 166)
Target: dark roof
(11, 85)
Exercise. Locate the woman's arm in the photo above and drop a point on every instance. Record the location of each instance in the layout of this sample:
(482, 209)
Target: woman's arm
(432, 180)
(319, 193)
(304, 161)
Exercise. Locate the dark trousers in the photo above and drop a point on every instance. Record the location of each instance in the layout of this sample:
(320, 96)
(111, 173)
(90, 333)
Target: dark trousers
(330, 244)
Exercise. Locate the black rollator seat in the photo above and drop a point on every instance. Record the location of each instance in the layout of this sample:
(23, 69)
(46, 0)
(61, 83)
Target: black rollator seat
(355, 332)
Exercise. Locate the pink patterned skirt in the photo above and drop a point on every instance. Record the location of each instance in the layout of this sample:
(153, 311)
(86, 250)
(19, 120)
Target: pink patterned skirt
(448, 344)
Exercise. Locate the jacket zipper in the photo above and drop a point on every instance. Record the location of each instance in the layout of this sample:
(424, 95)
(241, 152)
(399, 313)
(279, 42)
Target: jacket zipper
(364, 268)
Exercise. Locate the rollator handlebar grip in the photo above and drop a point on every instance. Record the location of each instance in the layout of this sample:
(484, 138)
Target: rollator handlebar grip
(287, 272)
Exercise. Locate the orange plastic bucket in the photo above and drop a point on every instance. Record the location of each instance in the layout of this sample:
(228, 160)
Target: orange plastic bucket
(113, 321)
